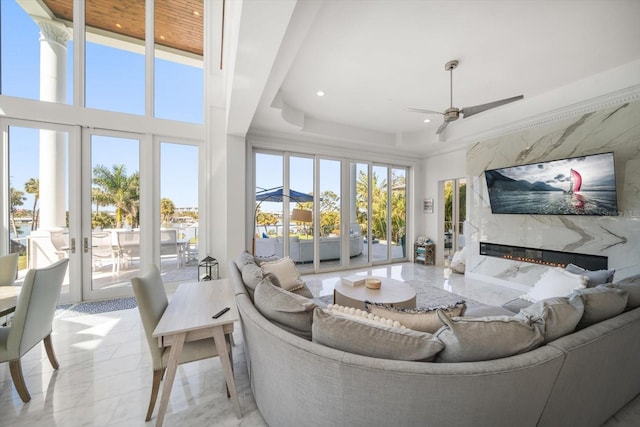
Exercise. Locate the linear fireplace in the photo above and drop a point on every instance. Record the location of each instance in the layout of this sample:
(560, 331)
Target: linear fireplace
(544, 256)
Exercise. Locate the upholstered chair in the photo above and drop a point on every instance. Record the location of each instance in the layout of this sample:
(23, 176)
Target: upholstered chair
(8, 269)
(32, 321)
(152, 302)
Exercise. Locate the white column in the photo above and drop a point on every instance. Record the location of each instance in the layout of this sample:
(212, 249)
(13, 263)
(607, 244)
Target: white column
(53, 145)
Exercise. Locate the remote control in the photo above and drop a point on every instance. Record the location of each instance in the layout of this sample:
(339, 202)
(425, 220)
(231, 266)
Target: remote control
(220, 313)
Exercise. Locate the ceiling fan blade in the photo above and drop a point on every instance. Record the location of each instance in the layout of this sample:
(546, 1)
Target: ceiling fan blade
(441, 128)
(420, 110)
(470, 111)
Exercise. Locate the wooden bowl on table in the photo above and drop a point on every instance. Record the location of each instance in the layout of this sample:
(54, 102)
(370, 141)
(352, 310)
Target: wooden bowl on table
(373, 283)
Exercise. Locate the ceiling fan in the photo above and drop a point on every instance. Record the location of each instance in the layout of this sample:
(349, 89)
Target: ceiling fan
(452, 113)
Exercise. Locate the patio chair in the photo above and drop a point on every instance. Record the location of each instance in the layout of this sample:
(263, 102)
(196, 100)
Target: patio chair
(33, 321)
(60, 241)
(128, 246)
(169, 245)
(102, 249)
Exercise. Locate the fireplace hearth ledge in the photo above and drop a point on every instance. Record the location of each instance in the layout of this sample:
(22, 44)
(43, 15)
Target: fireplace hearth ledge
(497, 281)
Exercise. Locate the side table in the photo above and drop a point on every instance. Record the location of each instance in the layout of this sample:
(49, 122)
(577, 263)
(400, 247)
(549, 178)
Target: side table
(424, 253)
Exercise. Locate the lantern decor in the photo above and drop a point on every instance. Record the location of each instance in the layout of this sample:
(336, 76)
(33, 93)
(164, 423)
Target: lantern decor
(208, 269)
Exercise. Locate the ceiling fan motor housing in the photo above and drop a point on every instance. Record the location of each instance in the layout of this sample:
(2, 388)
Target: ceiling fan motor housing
(451, 114)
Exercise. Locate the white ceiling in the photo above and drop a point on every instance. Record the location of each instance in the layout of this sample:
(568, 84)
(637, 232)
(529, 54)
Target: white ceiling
(373, 58)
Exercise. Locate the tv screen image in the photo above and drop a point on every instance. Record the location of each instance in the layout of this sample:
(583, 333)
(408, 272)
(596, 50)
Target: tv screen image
(575, 186)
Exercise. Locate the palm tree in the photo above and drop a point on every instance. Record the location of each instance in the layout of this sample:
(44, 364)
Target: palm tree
(32, 186)
(118, 186)
(16, 198)
(167, 209)
(99, 197)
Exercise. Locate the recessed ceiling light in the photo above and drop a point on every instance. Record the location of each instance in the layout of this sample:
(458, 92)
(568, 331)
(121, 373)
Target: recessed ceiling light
(427, 120)
(320, 93)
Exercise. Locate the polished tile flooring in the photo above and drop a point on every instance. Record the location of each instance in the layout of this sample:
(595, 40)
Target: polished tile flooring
(105, 368)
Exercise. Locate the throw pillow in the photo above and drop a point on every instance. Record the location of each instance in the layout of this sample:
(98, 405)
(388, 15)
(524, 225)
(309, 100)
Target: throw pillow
(284, 273)
(373, 340)
(362, 316)
(556, 282)
(243, 259)
(291, 312)
(555, 316)
(600, 303)
(419, 319)
(594, 277)
(251, 276)
(470, 339)
(632, 286)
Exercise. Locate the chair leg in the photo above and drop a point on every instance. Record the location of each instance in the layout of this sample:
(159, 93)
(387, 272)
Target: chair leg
(157, 378)
(18, 380)
(48, 345)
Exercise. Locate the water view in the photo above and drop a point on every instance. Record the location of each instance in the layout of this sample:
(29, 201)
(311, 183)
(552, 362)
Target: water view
(554, 202)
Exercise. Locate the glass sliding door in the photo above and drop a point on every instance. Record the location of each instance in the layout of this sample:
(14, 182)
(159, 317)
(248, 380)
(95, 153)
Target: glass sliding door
(398, 213)
(113, 242)
(267, 209)
(359, 213)
(379, 214)
(329, 224)
(38, 222)
(300, 228)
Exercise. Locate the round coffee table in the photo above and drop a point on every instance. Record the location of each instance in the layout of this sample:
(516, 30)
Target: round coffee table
(392, 292)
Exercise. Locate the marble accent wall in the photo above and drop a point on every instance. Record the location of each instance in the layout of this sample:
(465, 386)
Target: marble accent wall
(615, 129)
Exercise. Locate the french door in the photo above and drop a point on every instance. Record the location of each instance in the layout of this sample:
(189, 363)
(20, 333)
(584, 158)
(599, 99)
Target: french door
(41, 198)
(113, 234)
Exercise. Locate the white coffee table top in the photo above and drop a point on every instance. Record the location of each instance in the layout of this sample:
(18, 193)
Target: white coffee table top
(392, 291)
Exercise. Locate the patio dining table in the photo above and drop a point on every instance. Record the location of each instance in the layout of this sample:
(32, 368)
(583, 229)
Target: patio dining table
(8, 299)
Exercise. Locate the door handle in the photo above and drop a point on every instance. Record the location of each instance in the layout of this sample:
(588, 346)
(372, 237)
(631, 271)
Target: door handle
(86, 245)
(72, 247)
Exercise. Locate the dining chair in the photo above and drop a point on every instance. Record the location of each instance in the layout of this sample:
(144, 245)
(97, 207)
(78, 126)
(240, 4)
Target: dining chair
(32, 321)
(152, 301)
(8, 269)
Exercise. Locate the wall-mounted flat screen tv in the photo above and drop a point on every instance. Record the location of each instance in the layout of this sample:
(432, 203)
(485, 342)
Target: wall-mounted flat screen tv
(576, 186)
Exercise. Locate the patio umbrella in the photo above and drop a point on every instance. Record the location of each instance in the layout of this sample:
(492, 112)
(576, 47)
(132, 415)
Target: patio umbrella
(276, 195)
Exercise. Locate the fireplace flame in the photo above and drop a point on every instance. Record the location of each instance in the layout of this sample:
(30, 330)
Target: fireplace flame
(534, 261)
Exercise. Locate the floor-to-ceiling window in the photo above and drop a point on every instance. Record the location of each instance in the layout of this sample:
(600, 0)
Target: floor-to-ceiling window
(358, 218)
(129, 92)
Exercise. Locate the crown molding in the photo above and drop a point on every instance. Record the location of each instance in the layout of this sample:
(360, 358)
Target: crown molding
(619, 97)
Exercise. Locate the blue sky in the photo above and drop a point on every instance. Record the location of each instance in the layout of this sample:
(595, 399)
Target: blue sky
(115, 82)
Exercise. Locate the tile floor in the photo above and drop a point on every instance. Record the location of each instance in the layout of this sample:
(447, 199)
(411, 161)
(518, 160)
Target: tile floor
(105, 375)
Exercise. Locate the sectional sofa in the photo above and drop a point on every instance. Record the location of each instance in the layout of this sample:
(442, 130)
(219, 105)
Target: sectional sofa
(580, 379)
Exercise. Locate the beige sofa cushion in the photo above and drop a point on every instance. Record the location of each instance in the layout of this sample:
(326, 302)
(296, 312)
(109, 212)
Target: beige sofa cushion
(291, 312)
(471, 339)
(632, 286)
(600, 303)
(555, 316)
(284, 273)
(367, 339)
(419, 319)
